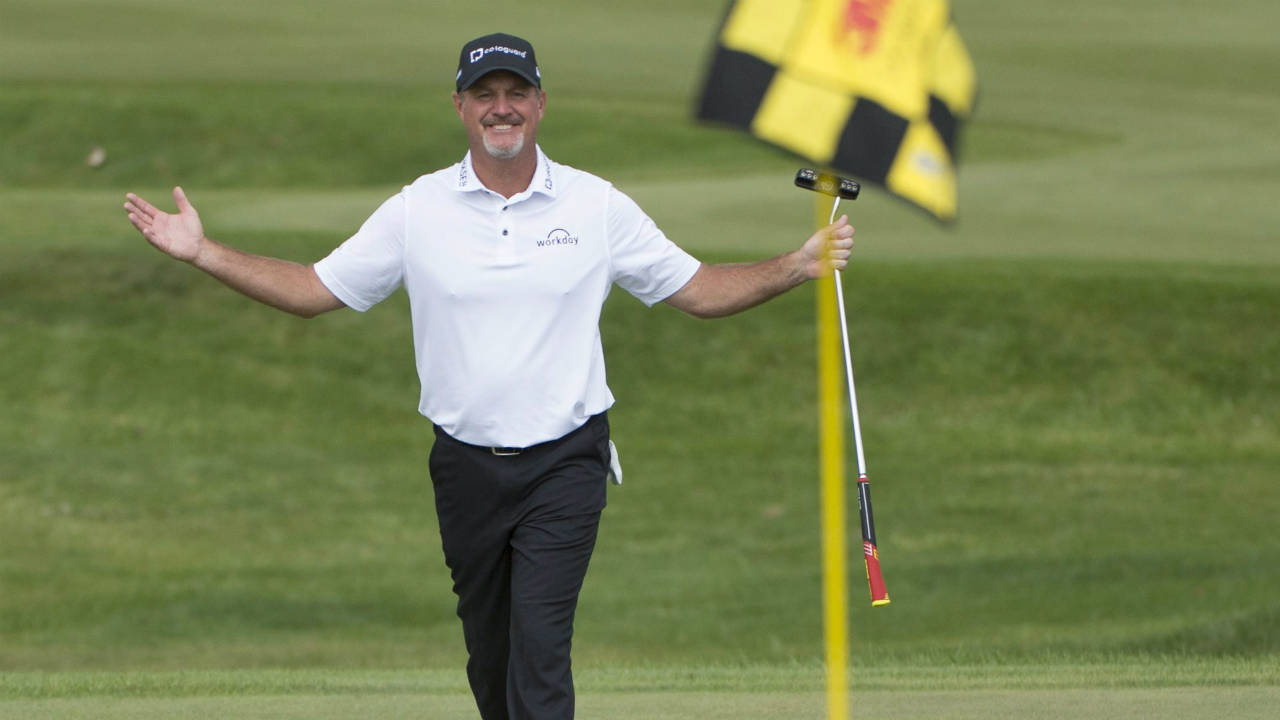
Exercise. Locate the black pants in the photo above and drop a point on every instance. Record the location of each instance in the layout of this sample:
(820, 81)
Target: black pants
(518, 531)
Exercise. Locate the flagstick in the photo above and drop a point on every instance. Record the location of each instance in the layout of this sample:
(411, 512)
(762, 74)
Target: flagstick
(835, 563)
(832, 464)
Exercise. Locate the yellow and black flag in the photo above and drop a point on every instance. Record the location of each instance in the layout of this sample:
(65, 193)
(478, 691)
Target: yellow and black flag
(871, 88)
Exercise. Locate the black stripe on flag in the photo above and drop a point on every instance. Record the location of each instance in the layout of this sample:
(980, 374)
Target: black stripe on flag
(944, 121)
(735, 88)
(870, 141)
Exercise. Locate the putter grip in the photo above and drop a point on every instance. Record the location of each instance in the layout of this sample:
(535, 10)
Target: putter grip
(827, 184)
(879, 595)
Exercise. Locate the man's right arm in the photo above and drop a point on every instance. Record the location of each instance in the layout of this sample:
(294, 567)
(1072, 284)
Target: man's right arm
(285, 285)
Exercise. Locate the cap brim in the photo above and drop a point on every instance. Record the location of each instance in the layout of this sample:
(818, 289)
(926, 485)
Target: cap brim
(534, 81)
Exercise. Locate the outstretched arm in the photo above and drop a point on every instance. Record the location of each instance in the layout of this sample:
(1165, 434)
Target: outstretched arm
(720, 290)
(281, 284)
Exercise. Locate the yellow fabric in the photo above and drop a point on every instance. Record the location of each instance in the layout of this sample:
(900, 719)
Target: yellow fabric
(923, 172)
(955, 80)
(763, 27)
(802, 117)
(829, 54)
(880, 49)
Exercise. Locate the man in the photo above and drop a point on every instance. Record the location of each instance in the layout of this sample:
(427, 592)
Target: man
(507, 258)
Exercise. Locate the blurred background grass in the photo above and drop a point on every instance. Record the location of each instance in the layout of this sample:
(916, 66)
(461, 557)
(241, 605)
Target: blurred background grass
(1069, 399)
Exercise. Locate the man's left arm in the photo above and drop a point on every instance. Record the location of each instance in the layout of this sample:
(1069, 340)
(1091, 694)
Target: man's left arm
(720, 290)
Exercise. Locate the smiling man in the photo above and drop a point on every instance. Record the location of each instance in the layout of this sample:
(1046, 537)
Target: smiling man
(503, 113)
(507, 258)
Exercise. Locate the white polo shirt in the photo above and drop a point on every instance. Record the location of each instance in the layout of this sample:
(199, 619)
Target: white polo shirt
(506, 294)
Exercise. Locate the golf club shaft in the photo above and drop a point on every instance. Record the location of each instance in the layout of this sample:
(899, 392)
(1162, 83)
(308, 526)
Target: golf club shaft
(870, 551)
(848, 361)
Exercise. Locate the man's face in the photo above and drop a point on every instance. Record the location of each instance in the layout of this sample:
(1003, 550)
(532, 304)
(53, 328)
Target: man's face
(501, 112)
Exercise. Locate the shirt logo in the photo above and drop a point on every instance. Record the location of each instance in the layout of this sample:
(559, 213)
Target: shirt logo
(559, 236)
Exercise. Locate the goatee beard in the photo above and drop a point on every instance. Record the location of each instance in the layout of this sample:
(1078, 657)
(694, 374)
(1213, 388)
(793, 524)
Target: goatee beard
(510, 152)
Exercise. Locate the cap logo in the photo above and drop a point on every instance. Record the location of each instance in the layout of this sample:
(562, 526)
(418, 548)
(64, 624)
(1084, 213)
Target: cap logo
(479, 53)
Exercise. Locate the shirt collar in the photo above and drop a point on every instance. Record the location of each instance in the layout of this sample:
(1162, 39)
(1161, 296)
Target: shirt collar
(545, 177)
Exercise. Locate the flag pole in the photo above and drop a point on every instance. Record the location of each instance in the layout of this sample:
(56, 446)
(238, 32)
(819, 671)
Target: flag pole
(832, 483)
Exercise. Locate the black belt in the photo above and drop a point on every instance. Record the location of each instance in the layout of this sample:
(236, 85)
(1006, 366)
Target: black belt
(512, 451)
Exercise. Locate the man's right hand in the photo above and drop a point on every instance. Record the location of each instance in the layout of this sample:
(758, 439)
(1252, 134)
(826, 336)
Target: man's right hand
(279, 283)
(179, 236)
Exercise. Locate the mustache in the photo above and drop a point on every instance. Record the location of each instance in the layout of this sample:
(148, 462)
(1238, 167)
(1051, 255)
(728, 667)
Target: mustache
(504, 119)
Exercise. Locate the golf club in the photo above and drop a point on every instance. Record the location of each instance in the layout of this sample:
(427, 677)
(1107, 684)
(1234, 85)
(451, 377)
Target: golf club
(838, 188)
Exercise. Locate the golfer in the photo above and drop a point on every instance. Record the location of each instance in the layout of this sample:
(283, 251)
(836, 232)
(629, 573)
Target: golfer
(507, 258)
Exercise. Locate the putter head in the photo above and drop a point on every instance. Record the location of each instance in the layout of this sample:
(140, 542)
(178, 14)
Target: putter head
(827, 184)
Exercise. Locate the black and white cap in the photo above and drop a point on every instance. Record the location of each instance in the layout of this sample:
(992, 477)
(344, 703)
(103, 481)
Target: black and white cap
(498, 51)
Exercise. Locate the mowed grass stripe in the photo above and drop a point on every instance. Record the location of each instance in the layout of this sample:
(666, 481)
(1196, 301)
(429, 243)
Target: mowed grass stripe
(1175, 704)
(1136, 672)
(740, 216)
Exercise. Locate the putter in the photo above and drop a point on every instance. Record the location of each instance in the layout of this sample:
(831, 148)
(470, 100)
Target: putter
(838, 188)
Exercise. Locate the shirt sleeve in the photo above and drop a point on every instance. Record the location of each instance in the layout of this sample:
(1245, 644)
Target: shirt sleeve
(644, 262)
(369, 266)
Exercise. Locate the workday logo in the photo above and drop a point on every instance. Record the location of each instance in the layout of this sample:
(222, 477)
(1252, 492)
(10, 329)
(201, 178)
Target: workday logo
(559, 236)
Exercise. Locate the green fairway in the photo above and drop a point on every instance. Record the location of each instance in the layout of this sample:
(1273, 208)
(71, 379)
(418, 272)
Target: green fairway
(1253, 703)
(1179, 704)
(1177, 690)
(1069, 398)
(220, 506)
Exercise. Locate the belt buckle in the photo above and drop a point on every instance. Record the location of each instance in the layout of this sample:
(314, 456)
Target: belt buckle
(506, 451)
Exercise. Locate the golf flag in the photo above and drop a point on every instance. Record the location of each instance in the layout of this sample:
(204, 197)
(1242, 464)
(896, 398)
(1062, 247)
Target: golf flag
(871, 88)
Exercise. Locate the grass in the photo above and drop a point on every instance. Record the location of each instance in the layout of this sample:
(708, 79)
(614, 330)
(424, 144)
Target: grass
(1133, 688)
(1069, 398)
(219, 496)
(1132, 672)
(1181, 704)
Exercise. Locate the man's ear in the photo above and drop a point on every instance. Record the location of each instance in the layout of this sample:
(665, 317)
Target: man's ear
(457, 103)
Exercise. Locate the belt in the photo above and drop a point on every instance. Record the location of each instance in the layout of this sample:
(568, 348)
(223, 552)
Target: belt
(501, 451)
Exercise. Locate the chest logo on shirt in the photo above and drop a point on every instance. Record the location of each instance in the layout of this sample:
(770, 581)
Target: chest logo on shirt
(557, 237)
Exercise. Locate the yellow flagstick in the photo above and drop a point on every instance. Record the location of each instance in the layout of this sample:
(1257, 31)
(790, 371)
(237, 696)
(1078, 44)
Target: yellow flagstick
(831, 442)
